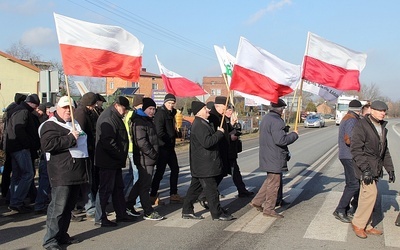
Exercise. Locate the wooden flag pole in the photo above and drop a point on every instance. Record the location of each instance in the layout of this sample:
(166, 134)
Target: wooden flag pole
(227, 99)
(291, 106)
(70, 104)
(299, 105)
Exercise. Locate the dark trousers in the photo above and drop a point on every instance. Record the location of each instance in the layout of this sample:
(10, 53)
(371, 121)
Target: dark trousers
(280, 191)
(268, 193)
(142, 188)
(166, 156)
(63, 199)
(110, 184)
(237, 176)
(210, 187)
(6, 176)
(351, 189)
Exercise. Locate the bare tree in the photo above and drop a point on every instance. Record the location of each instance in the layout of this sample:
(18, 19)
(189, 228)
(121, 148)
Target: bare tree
(368, 92)
(21, 51)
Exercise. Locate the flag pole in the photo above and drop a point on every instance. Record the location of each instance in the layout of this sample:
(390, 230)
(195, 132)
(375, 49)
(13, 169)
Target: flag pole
(291, 106)
(227, 99)
(301, 86)
(70, 104)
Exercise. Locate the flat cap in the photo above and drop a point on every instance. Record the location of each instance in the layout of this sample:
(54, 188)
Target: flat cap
(379, 105)
(280, 103)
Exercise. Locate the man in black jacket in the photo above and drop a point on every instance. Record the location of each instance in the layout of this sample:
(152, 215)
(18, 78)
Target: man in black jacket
(164, 121)
(22, 140)
(111, 151)
(370, 154)
(205, 165)
(66, 152)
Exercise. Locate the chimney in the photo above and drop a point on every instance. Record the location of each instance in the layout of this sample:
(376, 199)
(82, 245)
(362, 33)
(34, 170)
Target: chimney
(144, 69)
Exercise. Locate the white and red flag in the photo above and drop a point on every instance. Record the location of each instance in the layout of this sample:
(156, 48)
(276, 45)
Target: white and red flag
(90, 49)
(178, 85)
(260, 73)
(332, 65)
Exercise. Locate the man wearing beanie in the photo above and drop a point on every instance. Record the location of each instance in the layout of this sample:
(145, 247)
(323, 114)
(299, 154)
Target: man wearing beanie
(370, 153)
(145, 155)
(343, 211)
(164, 121)
(84, 115)
(22, 144)
(205, 165)
(111, 150)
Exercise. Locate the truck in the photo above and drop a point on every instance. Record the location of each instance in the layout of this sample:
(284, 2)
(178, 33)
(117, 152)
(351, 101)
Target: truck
(342, 106)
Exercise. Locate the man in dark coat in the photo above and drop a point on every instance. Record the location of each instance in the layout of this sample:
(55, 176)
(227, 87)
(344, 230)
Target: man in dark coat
(145, 155)
(273, 157)
(370, 154)
(164, 121)
(67, 158)
(343, 211)
(111, 151)
(205, 165)
(22, 143)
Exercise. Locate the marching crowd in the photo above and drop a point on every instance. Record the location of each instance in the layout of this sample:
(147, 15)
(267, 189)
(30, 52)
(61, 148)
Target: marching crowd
(82, 148)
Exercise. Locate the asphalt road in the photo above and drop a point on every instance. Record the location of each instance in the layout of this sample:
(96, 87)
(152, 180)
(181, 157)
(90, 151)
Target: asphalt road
(312, 186)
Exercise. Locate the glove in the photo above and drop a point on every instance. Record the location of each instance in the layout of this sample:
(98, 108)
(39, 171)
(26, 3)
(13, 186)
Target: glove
(392, 178)
(286, 129)
(367, 177)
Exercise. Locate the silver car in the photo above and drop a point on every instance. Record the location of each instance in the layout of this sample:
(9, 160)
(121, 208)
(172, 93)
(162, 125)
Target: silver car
(315, 120)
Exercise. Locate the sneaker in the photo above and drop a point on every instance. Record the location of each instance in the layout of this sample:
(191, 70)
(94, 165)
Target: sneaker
(153, 216)
(20, 209)
(175, 198)
(156, 201)
(132, 212)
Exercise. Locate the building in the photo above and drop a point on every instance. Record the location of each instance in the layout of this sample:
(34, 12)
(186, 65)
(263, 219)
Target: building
(147, 84)
(324, 109)
(16, 76)
(215, 86)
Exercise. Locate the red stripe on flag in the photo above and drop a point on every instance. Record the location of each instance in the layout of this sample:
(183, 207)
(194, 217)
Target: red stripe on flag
(257, 84)
(330, 75)
(82, 61)
(182, 87)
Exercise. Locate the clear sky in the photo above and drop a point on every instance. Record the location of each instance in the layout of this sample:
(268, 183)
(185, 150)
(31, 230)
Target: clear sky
(182, 33)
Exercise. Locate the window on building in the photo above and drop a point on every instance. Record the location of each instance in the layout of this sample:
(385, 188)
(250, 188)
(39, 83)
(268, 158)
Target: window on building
(215, 91)
(135, 84)
(111, 85)
(212, 82)
(154, 85)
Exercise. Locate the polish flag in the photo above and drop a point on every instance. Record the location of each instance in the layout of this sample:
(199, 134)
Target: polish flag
(90, 49)
(178, 85)
(332, 65)
(260, 73)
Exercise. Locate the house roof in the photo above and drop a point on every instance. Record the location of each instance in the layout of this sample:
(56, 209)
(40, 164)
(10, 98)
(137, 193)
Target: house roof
(145, 73)
(126, 91)
(16, 60)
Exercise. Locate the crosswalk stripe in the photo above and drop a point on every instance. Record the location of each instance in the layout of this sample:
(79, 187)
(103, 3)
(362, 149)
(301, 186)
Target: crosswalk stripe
(391, 232)
(321, 227)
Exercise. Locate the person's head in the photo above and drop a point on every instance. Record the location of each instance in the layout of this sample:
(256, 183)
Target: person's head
(278, 107)
(355, 106)
(219, 104)
(48, 105)
(33, 101)
(149, 106)
(137, 102)
(200, 109)
(378, 110)
(100, 100)
(89, 100)
(41, 110)
(121, 104)
(18, 98)
(366, 109)
(63, 109)
(229, 110)
(169, 101)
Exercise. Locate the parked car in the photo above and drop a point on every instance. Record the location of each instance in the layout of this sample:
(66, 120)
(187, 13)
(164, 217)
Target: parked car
(315, 120)
(329, 116)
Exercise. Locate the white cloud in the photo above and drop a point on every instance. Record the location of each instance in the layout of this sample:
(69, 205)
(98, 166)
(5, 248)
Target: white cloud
(39, 37)
(273, 6)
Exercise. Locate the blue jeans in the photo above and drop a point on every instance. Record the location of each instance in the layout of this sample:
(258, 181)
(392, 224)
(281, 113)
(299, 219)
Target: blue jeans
(351, 189)
(21, 178)
(44, 189)
(131, 178)
(63, 200)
